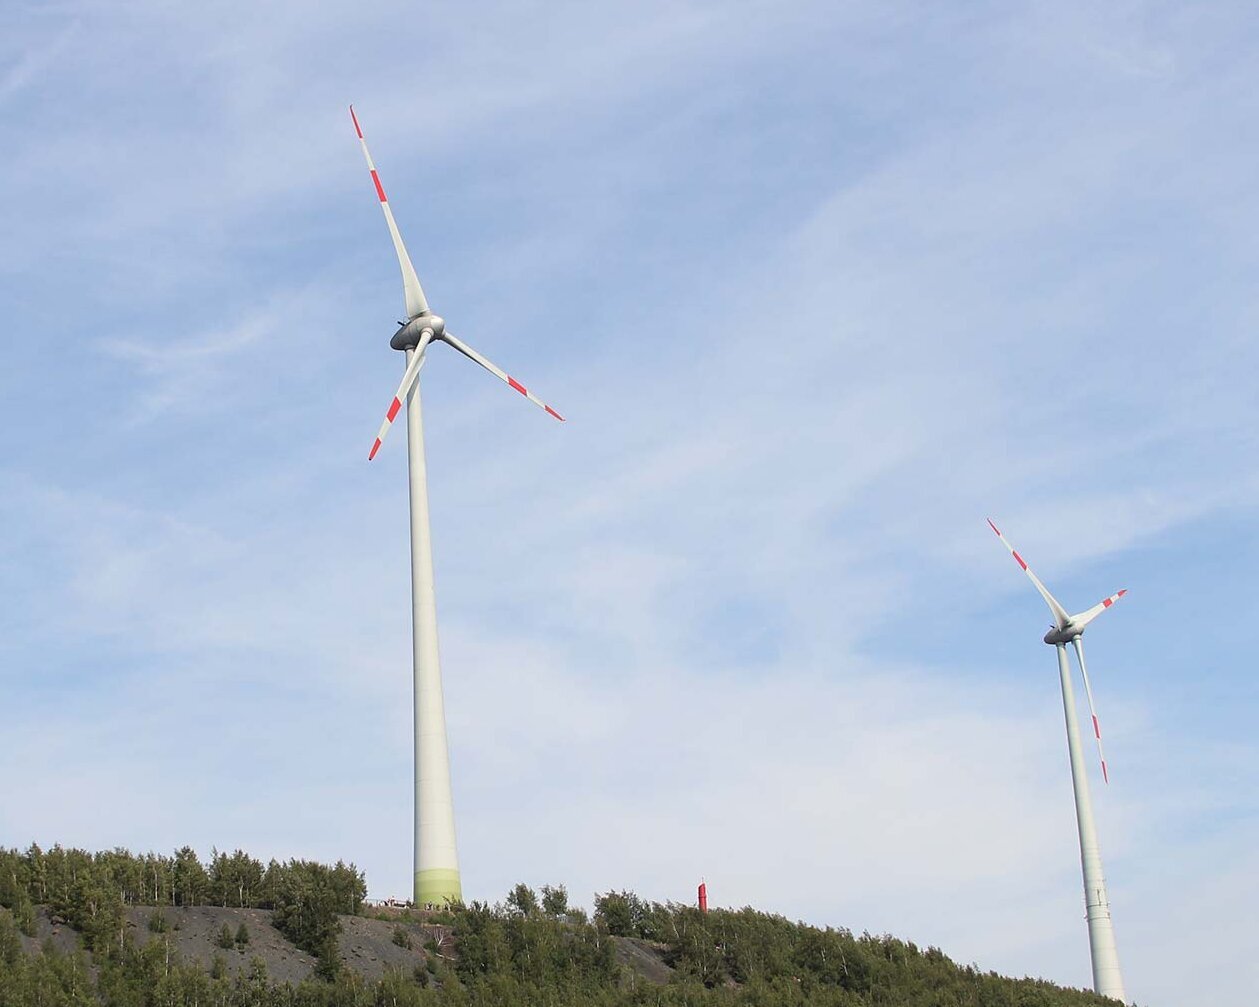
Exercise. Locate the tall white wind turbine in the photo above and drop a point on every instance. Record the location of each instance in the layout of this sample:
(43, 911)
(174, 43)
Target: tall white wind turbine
(1107, 980)
(436, 860)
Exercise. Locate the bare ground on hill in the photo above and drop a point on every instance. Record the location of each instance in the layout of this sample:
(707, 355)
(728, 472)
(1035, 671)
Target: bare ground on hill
(367, 946)
(645, 958)
(64, 938)
(193, 932)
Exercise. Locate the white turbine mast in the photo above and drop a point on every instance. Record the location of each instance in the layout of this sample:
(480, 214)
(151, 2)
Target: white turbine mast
(436, 859)
(1107, 980)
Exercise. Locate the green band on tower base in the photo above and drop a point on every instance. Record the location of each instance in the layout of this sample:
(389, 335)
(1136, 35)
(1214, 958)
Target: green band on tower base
(437, 886)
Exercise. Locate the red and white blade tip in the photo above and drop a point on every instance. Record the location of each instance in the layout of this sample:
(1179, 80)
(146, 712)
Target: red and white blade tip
(371, 167)
(413, 292)
(390, 416)
(532, 398)
(499, 373)
(1013, 552)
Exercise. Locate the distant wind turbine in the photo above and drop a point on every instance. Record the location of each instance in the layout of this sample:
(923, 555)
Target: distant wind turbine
(1107, 980)
(436, 860)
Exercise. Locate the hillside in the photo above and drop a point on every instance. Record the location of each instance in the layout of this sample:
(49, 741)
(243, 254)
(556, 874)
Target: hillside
(193, 935)
(370, 948)
(71, 933)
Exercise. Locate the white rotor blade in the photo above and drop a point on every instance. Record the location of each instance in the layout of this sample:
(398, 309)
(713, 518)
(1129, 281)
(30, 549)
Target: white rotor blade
(1059, 612)
(408, 379)
(1084, 618)
(410, 282)
(1088, 691)
(502, 375)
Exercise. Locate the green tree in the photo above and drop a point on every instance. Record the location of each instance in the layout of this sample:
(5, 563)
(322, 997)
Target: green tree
(554, 900)
(10, 943)
(308, 897)
(621, 913)
(235, 880)
(523, 900)
(190, 882)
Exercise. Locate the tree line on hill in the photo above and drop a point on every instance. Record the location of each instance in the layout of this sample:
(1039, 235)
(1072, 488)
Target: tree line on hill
(531, 948)
(90, 890)
(793, 963)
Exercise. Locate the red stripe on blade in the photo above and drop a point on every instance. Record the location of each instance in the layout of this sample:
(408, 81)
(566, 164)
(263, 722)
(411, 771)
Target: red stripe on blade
(554, 413)
(993, 526)
(380, 190)
(375, 447)
(1107, 602)
(1105, 775)
(1019, 559)
(394, 406)
(357, 129)
(517, 385)
(1097, 730)
(1122, 593)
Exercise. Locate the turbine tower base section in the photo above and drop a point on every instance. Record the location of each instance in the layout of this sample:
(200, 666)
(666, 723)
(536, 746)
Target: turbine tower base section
(1107, 981)
(436, 864)
(437, 887)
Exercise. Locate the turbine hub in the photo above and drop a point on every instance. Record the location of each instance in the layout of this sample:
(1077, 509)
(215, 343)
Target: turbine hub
(408, 337)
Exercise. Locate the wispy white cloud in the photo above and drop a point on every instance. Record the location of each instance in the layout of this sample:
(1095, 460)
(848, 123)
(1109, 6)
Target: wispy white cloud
(182, 371)
(31, 58)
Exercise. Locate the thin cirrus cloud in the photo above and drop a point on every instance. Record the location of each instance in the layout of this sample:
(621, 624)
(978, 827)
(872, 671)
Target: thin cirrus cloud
(32, 57)
(184, 373)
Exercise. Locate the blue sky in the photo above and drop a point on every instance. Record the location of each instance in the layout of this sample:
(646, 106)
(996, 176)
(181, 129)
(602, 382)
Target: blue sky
(819, 287)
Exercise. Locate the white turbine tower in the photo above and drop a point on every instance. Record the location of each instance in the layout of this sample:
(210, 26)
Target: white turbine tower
(1107, 980)
(436, 859)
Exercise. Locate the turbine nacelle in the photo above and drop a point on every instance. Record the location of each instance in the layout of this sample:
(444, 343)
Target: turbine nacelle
(1063, 634)
(409, 335)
